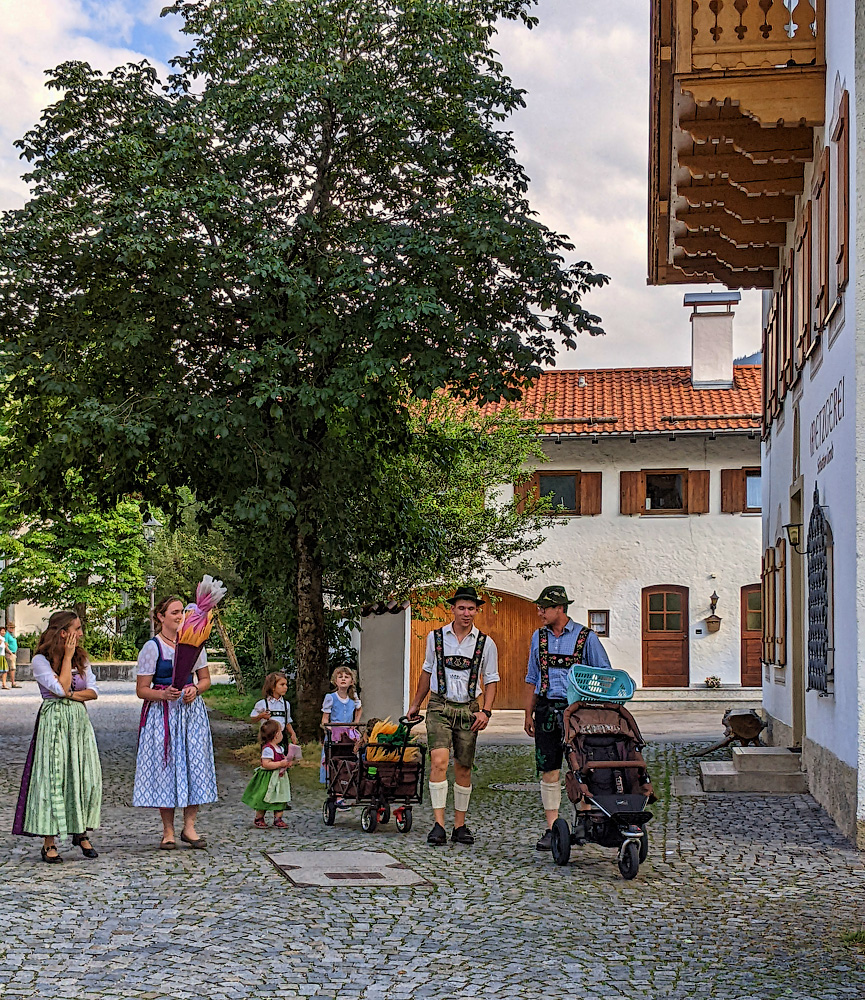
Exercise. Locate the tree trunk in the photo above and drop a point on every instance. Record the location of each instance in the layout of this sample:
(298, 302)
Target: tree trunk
(311, 647)
(228, 646)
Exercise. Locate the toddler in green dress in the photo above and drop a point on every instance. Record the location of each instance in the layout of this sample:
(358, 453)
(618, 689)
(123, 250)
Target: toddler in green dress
(269, 789)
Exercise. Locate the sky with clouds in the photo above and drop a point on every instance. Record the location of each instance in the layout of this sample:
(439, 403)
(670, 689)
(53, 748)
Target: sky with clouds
(583, 138)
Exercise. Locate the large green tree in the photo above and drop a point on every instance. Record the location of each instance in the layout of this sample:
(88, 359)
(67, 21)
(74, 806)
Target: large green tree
(240, 279)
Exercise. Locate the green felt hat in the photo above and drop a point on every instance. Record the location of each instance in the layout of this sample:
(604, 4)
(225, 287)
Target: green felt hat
(553, 597)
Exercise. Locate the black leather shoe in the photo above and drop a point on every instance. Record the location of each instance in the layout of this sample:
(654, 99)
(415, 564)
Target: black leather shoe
(546, 842)
(462, 835)
(437, 836)
(88, 852)
(51, 859)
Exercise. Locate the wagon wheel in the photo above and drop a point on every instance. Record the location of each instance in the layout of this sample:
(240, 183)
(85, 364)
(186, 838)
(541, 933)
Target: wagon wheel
(402, 818)
(369, 819)
(384, 813)
(328, 812)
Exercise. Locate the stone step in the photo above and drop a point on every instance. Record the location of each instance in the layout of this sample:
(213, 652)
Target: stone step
(722, 776)
(778, 760)
(697, 698)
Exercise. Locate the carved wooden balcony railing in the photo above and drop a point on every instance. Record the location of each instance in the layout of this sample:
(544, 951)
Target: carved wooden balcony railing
(738, 87)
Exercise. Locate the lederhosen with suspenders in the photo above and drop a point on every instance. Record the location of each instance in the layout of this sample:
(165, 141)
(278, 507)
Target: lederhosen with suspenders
(548, 711)
(459, 713)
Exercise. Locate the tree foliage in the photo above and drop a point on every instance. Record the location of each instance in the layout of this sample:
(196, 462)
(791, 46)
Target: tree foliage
(241, 279)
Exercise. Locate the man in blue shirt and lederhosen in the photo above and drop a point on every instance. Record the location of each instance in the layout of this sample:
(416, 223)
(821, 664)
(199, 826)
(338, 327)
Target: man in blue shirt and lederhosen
(459, 657)
(556, 646)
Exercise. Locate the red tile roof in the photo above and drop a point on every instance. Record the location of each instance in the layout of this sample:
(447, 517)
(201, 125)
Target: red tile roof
(616, 401)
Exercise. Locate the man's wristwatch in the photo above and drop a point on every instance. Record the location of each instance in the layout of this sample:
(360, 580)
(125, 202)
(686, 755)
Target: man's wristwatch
(487, 713)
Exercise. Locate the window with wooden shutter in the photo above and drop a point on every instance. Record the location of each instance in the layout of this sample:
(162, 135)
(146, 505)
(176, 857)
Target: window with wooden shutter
(781, 597)
(769, 605)
(788, 329)
(590, 493)
(803, 287)
(698, 491)
(822, 235)
(841, 138)
(770, 359)
(562, 489)
(630, 492)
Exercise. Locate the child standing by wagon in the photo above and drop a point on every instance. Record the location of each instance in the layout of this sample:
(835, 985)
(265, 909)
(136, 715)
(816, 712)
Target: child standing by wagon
(274, 705)
(269, 789)
(340, 706)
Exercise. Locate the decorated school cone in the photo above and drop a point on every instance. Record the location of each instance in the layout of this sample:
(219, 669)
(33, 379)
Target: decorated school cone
(195, 628)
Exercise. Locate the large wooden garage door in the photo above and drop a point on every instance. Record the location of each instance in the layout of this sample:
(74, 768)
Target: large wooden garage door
(510, 625)
(665, 637)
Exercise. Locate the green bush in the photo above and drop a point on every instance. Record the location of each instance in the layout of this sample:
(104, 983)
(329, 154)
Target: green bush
(28, 640)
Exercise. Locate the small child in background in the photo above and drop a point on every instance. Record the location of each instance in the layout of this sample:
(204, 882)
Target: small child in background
(340, 706)
(272, 759)
(274, 705)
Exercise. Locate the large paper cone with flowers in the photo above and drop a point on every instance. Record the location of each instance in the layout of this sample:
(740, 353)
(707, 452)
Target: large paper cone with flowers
(195, 629)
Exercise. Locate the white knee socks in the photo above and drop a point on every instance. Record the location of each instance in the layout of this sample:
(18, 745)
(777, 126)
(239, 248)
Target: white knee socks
(551, 794)
(438, 794)
(462, 794)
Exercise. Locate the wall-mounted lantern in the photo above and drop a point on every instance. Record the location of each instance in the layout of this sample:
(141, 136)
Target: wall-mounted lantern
(794, 536)
(713, 622)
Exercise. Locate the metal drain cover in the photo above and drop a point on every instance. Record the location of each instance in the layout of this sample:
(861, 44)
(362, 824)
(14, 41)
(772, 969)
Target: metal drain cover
(331, 869)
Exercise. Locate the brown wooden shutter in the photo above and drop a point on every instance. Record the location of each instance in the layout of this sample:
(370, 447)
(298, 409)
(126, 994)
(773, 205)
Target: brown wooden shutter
(803, 286)
(841, 136)
(764, 593)
(530, 487)
(631, 492)
(590, 493)
(787, 328)
(770, 606)
(698, 491)
(732, 491)
(821, 225)
(781, 597)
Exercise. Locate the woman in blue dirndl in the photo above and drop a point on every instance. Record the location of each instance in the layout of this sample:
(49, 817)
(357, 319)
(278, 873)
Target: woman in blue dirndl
(174, 768)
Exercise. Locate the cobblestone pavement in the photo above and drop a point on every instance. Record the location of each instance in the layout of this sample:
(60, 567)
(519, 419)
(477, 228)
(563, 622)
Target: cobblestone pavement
(741, 899)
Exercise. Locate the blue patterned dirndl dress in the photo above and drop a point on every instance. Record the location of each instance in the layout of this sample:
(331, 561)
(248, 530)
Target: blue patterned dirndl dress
(175, 765)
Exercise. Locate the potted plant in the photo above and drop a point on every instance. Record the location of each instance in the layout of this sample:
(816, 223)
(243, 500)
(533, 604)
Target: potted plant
(713, 681)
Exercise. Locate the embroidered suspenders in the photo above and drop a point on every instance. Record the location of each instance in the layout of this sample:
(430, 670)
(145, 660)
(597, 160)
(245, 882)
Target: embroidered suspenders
(458, 663)
(547, 659)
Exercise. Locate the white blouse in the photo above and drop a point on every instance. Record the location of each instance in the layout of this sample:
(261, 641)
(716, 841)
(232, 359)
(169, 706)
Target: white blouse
(46, 678)
(147, 658)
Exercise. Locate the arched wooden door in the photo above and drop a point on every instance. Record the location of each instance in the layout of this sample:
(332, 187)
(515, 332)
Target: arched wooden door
(751, 635)
(509, 623)
(665, 636)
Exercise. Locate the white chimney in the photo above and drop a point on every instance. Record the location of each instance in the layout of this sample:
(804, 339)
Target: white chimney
(712, 338)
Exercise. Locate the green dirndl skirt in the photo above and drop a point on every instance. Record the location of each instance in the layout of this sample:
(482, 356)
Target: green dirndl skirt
(253, 795)
(65, 790)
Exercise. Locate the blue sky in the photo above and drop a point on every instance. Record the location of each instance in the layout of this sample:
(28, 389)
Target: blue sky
(583, 138)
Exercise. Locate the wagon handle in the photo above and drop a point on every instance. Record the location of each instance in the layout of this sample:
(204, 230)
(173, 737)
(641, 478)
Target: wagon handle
(410, 723)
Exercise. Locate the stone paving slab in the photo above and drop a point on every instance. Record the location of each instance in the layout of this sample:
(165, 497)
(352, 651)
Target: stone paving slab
(741, 897)
(351, 869)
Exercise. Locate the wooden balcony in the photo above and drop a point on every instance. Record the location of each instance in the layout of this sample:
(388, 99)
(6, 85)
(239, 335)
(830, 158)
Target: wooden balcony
(737, 88)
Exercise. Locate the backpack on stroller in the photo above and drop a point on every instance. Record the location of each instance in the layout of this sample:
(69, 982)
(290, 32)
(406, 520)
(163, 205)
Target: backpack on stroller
(607, 782)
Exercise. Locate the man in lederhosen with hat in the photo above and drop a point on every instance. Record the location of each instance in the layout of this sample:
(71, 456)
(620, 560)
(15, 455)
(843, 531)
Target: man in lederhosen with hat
(556, 646)
(458, 656)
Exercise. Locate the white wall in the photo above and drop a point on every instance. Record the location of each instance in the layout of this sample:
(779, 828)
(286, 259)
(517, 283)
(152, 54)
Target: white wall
(607, 559)
(833, 722)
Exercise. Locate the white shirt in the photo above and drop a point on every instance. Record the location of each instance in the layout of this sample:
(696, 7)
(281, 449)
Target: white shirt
(272, 705)
(458, 680)
(268, 754)
(45, 676)
(148, 656)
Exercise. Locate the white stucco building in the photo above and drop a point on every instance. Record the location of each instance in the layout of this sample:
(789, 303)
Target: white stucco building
(756, 182)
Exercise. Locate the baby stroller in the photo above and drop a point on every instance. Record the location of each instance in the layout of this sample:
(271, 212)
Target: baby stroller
(607, 780)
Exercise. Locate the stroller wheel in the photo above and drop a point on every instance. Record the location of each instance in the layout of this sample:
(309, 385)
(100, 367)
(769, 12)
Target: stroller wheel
(561, 842)
(629, 859)
(328, 812)
(644, 844)
(369, 819)
(402, 818)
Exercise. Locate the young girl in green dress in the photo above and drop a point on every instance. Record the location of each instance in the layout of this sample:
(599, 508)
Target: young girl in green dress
(272, 759)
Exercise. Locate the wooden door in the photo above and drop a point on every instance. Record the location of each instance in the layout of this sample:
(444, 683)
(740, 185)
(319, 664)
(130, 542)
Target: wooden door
(665, 636)
(752, 633)
(509, 623)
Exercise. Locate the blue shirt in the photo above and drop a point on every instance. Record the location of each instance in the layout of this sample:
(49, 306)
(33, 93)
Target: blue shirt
(594, 655)
(11, 643)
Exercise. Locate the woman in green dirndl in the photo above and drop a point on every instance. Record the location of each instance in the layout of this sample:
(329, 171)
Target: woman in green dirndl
(61, 790)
